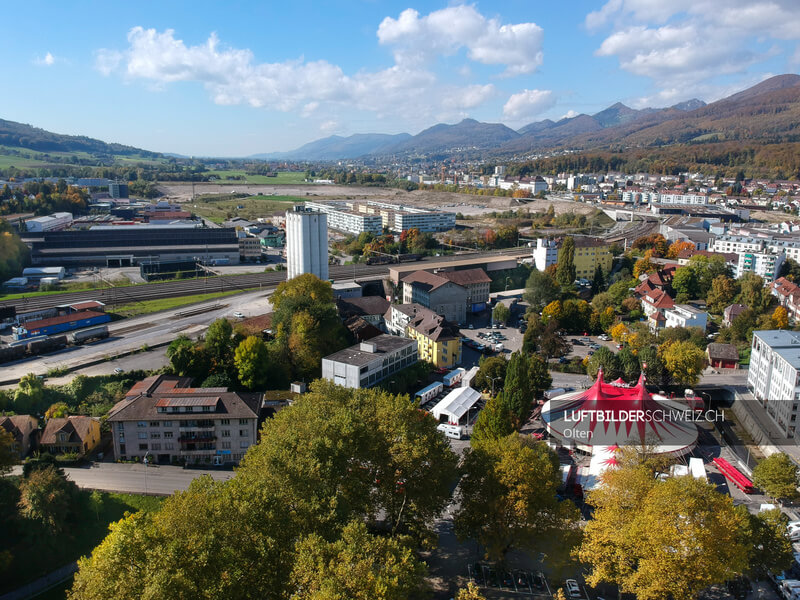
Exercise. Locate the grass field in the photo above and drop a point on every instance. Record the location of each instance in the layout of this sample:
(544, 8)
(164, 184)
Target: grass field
(150, 306)
(283, 177)
(220, 208)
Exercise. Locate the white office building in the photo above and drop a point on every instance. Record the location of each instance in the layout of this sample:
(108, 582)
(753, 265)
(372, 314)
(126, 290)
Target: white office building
(774, 375)
(306, 242)
(684, 315)
(342, 218)
(545, 253)
(370, 362)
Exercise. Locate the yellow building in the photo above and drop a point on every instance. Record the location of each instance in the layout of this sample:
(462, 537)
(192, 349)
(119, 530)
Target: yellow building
(590, 252)
(438, 341)
(78, 434)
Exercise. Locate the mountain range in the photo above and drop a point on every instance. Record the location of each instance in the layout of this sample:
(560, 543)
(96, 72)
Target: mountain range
(768, 112)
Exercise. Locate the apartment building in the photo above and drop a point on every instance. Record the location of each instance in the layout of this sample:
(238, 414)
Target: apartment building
(655, 303)
(341, 218)
(774, 375)
(165, 420)
(249, 248)
(590, 252)
(438, 293)
(764, 264)
(788, 294)
(397, 318)
(438, 341)
(759, 253)
(367, 363)
(684, 315)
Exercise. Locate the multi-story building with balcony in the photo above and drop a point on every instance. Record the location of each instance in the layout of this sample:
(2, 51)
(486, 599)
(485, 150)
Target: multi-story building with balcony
(164, 420)
(370, 362)
(774, 375)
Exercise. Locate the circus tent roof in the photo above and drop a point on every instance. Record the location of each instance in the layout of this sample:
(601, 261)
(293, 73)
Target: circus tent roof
(607, 414)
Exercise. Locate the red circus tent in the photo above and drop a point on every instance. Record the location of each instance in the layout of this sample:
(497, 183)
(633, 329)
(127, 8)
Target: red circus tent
(609, 415)
(619, 382)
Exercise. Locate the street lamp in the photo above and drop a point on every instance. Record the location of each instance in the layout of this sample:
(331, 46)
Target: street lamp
(493, 380)
(144, 460)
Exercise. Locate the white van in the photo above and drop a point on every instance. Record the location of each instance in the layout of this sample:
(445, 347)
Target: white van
(451, 431)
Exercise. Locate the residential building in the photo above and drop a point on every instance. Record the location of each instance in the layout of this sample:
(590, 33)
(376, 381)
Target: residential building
(765, 264)
(788, 294)
(661, 280)
(341, 218)
(722, 356)
(477, 283)
(75, 434)
(731, 312)
(397, 318)
(368, 363)
(438, 341)
(25, 431)
(438, 293)
(590, 252)
(164, 419)
(655, 303)
(685, 315)
(306, 242)
(347, 289)
(774, 375)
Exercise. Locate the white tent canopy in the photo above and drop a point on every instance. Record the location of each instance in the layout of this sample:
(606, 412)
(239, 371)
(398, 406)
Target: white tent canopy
(456, 404)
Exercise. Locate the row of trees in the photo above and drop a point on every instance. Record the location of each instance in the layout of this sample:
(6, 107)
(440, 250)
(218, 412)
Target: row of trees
(306, 327)
(43, 198)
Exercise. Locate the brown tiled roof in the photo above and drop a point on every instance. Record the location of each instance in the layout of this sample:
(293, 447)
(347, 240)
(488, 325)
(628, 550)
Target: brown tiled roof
(466, 277)
(431, 281)
(361, 329)
(785, 288)
(434, 327)
(19, 424)
(144, 407)
(690, 252)
(158, 384)
(77, 427)
(365, 305)
(659, 299)
(722, 352)
(734, 310)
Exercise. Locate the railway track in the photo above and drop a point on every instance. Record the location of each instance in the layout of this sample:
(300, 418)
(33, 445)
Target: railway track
(223, 283)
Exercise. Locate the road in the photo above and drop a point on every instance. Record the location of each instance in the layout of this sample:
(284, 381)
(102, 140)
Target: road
(159, 480)
(140, 332)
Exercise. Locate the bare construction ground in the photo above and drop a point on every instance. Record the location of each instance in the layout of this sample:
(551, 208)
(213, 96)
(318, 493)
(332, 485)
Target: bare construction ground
(465, 204)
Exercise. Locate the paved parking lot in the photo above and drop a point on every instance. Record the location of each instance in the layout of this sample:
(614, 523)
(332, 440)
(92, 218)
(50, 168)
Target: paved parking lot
(582, 349)
(481, 324)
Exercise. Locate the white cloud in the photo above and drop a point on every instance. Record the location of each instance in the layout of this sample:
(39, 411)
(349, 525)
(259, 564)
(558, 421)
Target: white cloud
(48, 60)
(232, 76)
(527, 104)
(329, 127)
(569, 114)
(417, 39)
(683, 45)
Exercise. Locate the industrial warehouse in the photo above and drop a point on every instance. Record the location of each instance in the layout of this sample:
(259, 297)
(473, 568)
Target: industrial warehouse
(123, 246)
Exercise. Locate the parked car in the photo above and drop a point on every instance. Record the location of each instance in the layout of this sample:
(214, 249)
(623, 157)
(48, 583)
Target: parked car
(470, 326)
(603, 337)
(577, 343)
(238, 315)
(117, 370)
(573, 589)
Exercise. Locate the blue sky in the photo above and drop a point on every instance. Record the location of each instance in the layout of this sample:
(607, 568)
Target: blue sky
(238, 78)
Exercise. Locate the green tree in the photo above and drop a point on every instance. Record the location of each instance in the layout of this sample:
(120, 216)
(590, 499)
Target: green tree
(219, 343)
(539, 374)
(776, 475)
(29, 396)
(540, 289)
(606, 359)
(770, 548)
(56, 411)
(306, 286)
(517, 393)
(215, 540)
(753, 293)
(501, 313)
(250, 359)
(188, 359)
(637, 517)
(48, 498)
(493, 422)
(628, 365)
(491, 373)
(686, 284)
(653, 366)
(508, 499)
(565, 271)
(723, 291)
(339, 454)
(8, 452)
(598, 281)
(357, 566)
(684, 362)
(471, 592)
